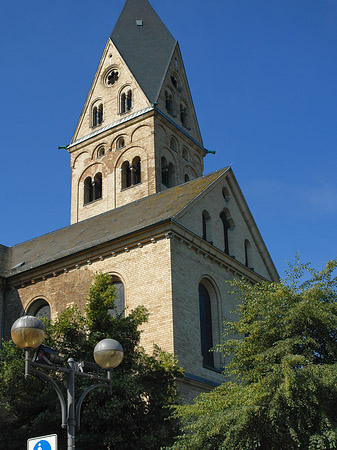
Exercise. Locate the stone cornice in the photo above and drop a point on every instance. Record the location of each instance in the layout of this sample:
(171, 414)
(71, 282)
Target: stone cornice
(168, 230)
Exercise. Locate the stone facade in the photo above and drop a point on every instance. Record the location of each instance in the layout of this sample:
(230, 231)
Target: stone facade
(142, 212)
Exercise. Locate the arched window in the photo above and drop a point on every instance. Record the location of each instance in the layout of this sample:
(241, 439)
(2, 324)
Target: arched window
(126, 175)
(171, 175)
(98, 186)
(167, 173)
(174, 81)
(97, 115)
(88, 190)
(225, 194)
(169, 102)
(164, 171)
(183, 115)
(129, 100)
(39, 308)
(185, 154)
(173, 144)
(248, 254)
(94, 117)
(120, 143)
(100, 114)
(93, 189)
(206, 333)
(135, 171)
(206, 227)
(186, 178)
(228, 226)
(119, 303)
(126, 101)
(100, 152)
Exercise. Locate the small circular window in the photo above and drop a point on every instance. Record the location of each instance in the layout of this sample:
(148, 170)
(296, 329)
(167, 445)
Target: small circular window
(111, 77)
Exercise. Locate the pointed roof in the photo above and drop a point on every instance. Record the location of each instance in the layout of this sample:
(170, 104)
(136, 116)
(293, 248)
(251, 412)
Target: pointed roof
(146, 48)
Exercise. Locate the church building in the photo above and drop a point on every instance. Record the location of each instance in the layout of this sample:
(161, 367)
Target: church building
(142, 210)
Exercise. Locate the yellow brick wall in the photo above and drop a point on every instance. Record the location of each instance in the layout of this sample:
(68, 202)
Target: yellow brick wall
(145, 272)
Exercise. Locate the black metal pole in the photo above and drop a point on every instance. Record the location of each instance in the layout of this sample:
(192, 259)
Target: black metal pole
(70, 414)
(71, 423)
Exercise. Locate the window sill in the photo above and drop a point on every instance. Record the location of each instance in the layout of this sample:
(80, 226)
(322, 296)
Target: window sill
(130, 187)
(213, 369)
(126, 112)
(98, 125)
(92, 201)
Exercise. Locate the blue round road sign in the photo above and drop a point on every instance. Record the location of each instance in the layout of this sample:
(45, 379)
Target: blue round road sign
(42, 445)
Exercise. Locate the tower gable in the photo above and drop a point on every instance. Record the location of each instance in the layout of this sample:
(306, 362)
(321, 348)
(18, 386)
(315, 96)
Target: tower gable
(221, 216)
(114, 94)
(175, 99)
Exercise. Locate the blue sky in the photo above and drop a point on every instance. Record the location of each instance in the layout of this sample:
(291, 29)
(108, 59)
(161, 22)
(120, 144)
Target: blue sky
(263, 76)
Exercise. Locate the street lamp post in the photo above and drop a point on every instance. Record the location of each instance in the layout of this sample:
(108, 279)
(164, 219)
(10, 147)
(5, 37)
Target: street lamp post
(28, 333)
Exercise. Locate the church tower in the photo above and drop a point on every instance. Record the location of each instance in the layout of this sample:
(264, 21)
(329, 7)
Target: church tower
(170, 250)
(138, 133)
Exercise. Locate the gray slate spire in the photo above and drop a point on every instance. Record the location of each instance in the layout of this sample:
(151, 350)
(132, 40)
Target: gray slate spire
(147, 49)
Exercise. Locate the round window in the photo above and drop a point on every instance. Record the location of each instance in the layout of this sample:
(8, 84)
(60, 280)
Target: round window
(111, 77)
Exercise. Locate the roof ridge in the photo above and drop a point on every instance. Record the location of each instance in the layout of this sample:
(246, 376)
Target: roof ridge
(145, 44)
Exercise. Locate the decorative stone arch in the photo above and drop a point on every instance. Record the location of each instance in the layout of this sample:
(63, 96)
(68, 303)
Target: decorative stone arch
(210, 320)
(79, 157)
(174, 144)
(39, 307)
(162, 129)
(94, 153)
(189, 173)
(138, 130)
(117, 143)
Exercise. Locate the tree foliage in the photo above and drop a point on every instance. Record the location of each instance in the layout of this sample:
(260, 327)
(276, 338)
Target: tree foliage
(135, 416)
(282, 388)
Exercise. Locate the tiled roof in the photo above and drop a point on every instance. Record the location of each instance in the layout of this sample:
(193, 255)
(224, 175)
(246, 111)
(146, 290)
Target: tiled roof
(146, 48)
(105, 227)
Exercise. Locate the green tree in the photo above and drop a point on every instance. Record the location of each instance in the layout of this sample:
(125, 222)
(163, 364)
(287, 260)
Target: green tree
(135, 416)
(282, 388)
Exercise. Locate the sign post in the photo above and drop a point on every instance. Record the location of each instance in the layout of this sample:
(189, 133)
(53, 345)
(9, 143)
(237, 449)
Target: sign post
(43, 443)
